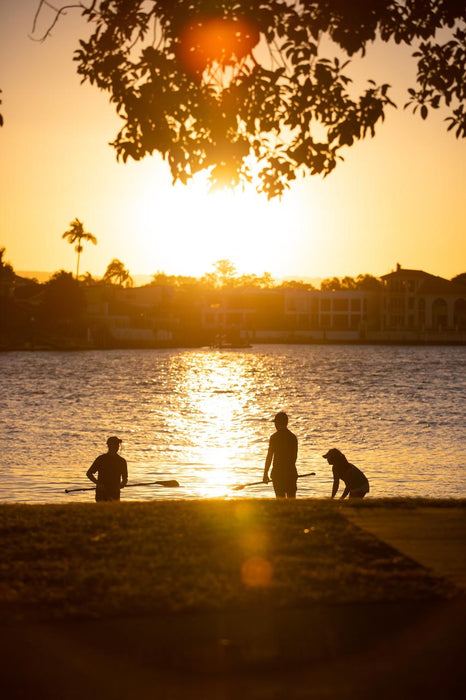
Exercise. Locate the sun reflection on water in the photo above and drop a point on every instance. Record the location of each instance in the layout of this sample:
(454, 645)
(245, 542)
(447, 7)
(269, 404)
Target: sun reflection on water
(204, 418)
(217, 387)
(216, 482)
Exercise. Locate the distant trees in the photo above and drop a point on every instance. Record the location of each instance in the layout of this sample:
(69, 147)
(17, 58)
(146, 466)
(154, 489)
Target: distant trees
(161, 278)
(88, 280)
(240, 88)
(63, 299)
(460, 279)
(7, 276)
(225, 276)
(297, 284)
(77, 234)
(6, 270)
(365, 282)
(117, 274)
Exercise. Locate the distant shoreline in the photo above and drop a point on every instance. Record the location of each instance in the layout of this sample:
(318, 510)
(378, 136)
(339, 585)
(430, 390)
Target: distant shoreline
(163, 346)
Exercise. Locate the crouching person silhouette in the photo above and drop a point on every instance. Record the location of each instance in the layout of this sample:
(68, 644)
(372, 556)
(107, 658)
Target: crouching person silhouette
(356, 483)
(111, 470)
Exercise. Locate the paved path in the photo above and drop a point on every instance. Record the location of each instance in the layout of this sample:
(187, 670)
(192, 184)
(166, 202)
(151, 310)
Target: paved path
(434, 537)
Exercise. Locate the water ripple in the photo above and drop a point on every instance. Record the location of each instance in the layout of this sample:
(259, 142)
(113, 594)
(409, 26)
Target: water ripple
(204, 417)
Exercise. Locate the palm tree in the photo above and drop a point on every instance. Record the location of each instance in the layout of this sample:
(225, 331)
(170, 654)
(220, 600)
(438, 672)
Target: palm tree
(77, 233)
(116, 272)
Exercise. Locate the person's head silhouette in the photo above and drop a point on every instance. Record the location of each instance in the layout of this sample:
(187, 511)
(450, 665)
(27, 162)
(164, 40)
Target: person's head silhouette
(280, 420)
(113, 444)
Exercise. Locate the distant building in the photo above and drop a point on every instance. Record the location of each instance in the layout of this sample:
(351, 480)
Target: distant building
(239, 315)
(129, 317)
(347, 313)
(415, 301)
(410, 306)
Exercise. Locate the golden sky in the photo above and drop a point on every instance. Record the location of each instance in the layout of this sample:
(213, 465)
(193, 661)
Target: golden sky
(399, 197)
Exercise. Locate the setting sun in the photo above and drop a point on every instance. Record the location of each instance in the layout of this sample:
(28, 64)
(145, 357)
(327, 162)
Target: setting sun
(385, 203)
(240, 226)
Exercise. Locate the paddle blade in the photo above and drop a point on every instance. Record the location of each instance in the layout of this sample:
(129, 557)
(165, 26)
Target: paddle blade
(243, 486)
(171, 483)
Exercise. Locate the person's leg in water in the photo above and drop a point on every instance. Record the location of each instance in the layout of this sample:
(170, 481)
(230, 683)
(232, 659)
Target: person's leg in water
(279, 489)
(101, 494)
(285, 489)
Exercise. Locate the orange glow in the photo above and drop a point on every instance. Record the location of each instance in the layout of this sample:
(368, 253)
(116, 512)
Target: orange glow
(244, 512)
(254, 541)
(385, 203)
(216, 479)
(223, 41)
(256, 571)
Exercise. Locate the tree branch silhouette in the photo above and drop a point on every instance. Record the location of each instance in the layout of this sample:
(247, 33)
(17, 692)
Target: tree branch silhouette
(239, 88)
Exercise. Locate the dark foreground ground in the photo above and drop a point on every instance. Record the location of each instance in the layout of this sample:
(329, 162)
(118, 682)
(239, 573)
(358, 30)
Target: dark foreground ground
(236, 599)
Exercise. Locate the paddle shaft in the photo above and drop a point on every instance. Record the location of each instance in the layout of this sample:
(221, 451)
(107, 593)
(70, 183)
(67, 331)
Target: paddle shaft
(256, 483)
(170, 483)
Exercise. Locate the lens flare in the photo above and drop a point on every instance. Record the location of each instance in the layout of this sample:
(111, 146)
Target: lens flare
(223, 41)
(256, 572)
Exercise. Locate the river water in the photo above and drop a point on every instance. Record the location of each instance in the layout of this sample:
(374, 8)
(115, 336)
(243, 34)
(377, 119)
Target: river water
(204, 417)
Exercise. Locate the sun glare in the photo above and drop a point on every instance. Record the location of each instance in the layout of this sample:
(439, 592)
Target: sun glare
(186, 229)
(217, 385)
(217, 481)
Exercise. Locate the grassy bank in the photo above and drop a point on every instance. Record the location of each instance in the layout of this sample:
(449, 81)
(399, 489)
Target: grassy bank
(88, 560)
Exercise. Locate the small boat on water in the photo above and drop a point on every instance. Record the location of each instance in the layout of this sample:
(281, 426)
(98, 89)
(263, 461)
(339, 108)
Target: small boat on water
(227, 345)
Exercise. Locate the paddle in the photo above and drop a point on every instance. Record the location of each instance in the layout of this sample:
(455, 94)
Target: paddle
(256, 483)
(170, 483)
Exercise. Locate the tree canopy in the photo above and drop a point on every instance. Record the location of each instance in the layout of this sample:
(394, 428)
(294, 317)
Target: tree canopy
(6, 270)
(77, 234)
(361, 282)
(257, 89)
(63, 299)
(460, 279)
(116, 273)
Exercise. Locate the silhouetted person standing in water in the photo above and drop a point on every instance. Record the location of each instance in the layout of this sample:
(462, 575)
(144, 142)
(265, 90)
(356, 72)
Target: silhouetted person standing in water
(112, 472)
(356, 483)
(283, 450)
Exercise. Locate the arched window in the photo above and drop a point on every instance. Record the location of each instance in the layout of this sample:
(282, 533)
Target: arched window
(439, 315)
(421, 313)
(459, 314)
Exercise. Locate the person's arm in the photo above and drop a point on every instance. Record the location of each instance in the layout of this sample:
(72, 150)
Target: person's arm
(336, 482)
(345, 492)
(268, 462)
(124, 475)
(91, 472)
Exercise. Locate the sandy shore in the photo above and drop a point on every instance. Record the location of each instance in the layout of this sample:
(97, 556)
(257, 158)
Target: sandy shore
(392, 646)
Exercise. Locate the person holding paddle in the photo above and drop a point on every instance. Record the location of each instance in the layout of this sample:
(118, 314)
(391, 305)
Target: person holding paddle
(283, 450)
(111, 470)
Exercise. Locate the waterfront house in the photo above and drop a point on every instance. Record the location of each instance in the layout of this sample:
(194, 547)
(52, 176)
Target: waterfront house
(415, 302)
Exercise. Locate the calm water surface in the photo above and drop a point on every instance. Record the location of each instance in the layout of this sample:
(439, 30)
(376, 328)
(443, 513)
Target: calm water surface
(203, 417)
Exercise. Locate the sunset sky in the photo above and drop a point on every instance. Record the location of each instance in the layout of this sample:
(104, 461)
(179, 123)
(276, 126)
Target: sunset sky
(397, 198)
